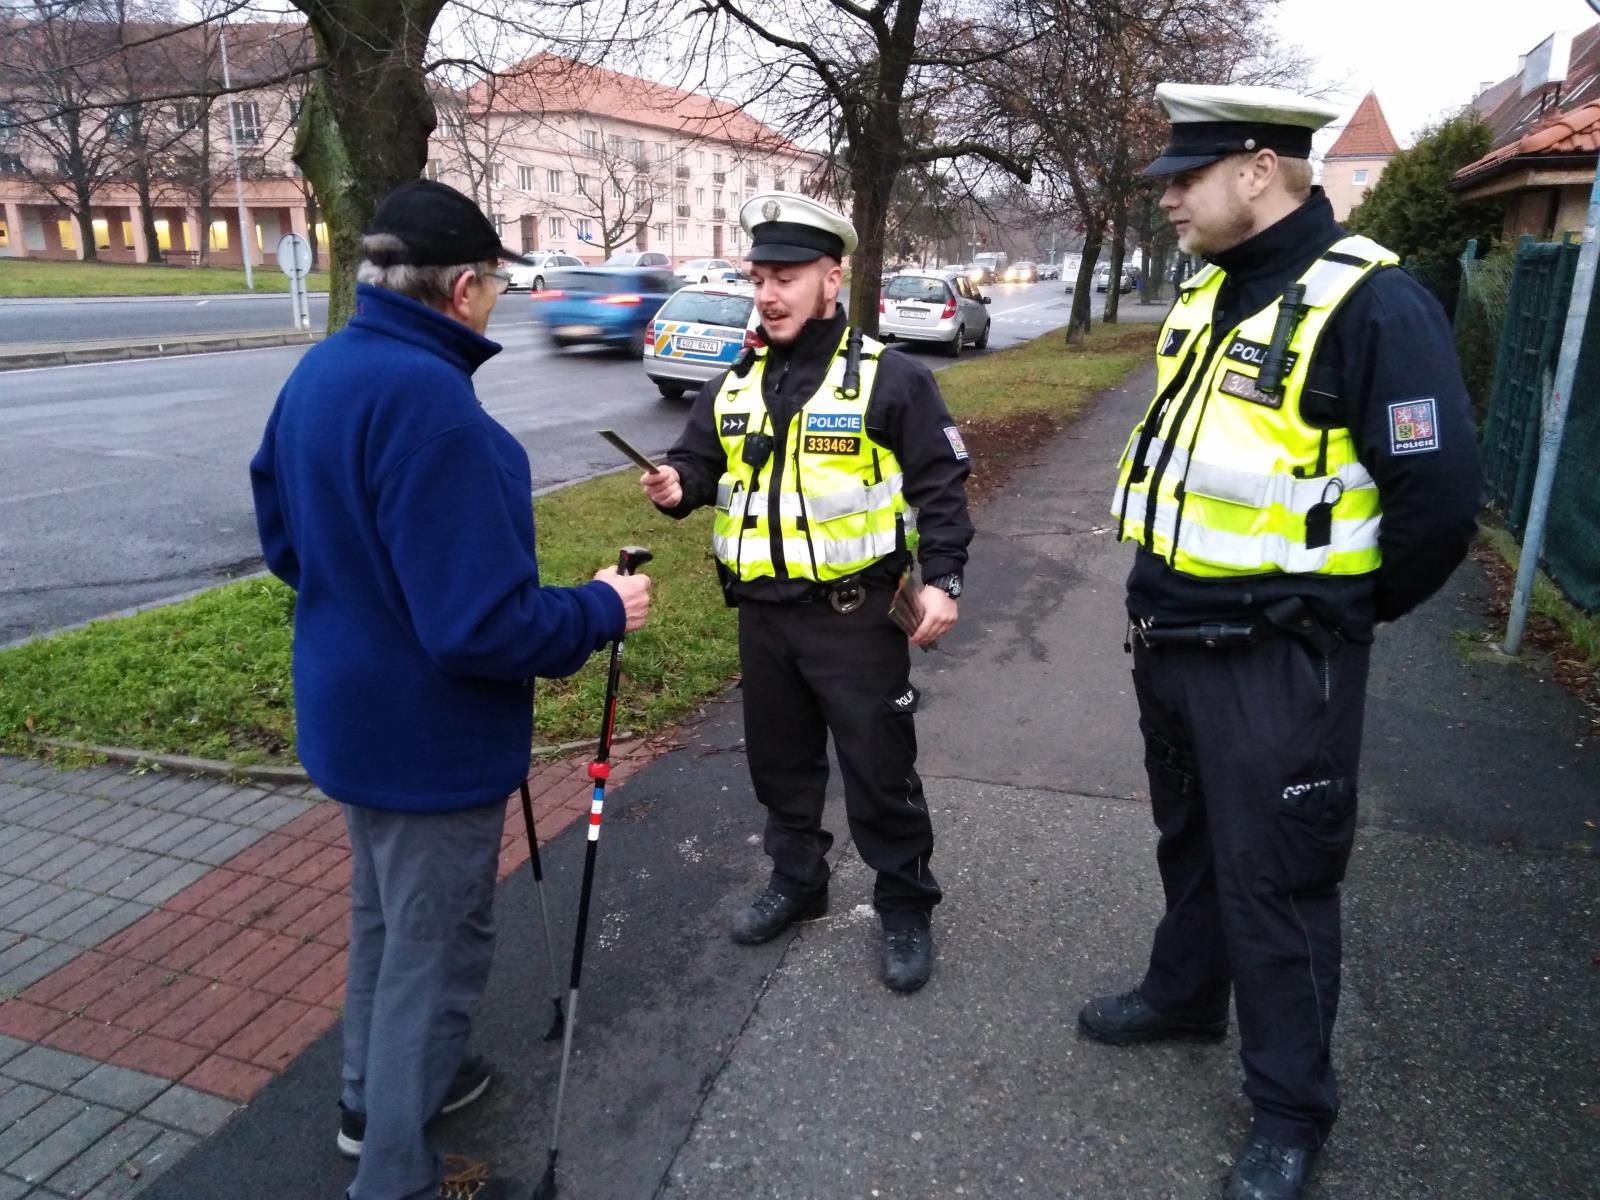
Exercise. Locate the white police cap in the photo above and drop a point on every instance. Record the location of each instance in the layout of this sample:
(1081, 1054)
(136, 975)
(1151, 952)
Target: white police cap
(788, 227)
(1210, 123)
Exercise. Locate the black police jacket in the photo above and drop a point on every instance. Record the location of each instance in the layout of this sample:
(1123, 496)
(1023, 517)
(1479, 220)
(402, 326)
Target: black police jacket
(1389, 343)
(905, 412)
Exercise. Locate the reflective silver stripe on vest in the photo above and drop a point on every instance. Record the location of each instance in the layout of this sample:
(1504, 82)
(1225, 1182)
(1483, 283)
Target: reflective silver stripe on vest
(846, 503)
(1251, 551)
(839, 551)
(1258, 491)
(1327, 279)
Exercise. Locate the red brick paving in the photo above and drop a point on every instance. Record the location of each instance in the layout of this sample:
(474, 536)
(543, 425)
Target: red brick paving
(238, 973)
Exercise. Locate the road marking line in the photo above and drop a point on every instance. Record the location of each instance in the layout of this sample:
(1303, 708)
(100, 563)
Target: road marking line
(60, 491)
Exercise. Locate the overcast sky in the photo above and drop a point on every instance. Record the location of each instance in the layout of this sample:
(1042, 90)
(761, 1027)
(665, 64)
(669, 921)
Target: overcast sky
(1424, 58)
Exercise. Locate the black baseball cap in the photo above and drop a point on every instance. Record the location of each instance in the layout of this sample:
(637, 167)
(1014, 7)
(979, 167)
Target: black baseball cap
(438, 225)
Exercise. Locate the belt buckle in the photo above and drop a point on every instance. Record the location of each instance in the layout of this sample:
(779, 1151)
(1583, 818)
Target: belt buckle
(847, 599)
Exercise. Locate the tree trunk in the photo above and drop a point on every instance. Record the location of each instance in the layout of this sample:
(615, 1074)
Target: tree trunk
(366, 123)
(1119, 252)
(147, 209)
(872, 179)
(1083, 290)
(313, 215)
(85, 215)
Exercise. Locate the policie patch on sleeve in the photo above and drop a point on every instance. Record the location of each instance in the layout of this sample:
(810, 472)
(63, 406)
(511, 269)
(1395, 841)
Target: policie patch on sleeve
(1413, 427)
(957, 446)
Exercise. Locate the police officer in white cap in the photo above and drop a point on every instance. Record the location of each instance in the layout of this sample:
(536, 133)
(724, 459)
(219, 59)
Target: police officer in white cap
(832, 463)
(1306, 470)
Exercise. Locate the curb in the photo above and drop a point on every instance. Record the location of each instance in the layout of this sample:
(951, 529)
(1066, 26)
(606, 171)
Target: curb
(277, 776)
(66, 355)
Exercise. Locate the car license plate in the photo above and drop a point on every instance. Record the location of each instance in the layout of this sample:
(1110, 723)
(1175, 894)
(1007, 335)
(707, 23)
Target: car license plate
(577, 330)
(696, 345)
(915, 314)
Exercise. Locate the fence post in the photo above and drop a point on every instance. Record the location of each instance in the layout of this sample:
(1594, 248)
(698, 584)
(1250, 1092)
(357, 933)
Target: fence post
(1555, 422)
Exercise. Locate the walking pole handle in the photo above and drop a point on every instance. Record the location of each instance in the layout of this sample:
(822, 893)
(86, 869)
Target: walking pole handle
(631, 558)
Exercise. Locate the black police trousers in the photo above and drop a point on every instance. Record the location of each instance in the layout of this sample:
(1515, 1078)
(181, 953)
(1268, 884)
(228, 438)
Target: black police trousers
(1252, 752)
(809, 671)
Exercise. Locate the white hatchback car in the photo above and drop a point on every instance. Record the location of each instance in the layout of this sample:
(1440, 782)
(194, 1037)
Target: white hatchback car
(529, 274)
(705, 270)
(944, 307)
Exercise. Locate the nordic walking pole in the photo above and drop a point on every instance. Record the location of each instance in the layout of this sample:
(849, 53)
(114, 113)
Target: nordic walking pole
(630, 560)
(544, 913)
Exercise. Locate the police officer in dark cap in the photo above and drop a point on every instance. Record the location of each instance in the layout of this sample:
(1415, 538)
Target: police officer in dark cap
(1306, 471)
(831, 464)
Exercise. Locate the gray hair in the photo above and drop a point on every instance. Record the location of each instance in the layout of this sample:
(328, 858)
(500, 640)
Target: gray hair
(429, 285)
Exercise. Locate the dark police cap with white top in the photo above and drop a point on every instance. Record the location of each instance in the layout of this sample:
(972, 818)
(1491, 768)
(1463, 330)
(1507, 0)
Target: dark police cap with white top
(788, 227)
(1210, 123)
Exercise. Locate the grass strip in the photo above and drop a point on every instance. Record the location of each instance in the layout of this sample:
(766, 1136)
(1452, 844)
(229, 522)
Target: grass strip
(1582, 630)
(210, 676)
(42, 278)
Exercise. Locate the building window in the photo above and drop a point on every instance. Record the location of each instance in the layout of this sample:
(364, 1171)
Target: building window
(558, 227)
(8, 124)
(246, 117)
(661, 231)
(682, 194)
(591, 140)
(219, 235)
(616, 190)
(296, 107)
(614, 145)
(661, 152)
(699, 158)
(432, 170)
(700, 197)
(164, 234)
(525, 179)
(661, 192)
(636, 148)
(1361, 177)
(188, 112)
(639, 186)
(777, 183)
(585, 230)
(583, 185)
(67, 231)
(499, 220)
(10, 164)
(716, 162)
(683, 232)
(494, 174)
(552, 182)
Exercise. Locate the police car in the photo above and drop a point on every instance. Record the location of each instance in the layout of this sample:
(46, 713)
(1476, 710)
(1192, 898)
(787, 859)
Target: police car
(697, 334)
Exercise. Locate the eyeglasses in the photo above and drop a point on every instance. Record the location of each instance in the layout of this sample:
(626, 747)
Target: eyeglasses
(502, 280)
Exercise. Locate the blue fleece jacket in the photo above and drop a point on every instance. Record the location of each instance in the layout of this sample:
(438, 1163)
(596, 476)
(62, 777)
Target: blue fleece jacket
(402, 515)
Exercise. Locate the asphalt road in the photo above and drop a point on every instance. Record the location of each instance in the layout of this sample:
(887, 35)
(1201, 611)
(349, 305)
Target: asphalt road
(126, 483)
(84, 319)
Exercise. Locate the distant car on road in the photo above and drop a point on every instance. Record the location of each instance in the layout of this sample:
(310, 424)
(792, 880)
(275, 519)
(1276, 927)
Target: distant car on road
(1102, 279)
(943, 307)
(1021, 272)
(607, 306)
(704, 270)
(1049, 271)
(529, 274)
(639, 258)
(697, 334)
(978, 273)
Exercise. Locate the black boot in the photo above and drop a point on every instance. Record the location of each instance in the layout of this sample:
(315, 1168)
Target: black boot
(907, 958)
(770, 913)
(1127, 1020)
(1269, 1170)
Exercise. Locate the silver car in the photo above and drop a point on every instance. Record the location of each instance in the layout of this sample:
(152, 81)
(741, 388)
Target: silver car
(944, 307)
(529, 274)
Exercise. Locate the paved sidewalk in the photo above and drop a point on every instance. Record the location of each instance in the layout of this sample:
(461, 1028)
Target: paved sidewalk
(26, 355)
(168, 944)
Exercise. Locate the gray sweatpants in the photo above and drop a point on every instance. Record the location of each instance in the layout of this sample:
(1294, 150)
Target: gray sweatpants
(421, 938)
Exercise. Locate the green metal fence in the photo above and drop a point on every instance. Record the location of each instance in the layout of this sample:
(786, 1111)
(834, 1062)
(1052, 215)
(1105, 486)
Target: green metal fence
(1530, 343)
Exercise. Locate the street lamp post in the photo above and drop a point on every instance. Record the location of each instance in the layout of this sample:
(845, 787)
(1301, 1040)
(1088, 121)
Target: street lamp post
(233, 145)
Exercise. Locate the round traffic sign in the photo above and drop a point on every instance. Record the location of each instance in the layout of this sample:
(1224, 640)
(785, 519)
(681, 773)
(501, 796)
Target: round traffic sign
(294, 255)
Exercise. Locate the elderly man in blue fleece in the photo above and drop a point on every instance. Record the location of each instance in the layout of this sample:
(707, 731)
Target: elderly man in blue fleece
(401, 514)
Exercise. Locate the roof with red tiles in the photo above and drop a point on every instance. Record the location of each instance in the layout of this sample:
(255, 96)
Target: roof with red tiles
(1366, 134)
(549, 83)
(1574, 134)
(1511, 115)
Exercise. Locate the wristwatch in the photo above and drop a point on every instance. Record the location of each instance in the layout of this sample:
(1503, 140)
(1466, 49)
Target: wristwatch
(950, 584)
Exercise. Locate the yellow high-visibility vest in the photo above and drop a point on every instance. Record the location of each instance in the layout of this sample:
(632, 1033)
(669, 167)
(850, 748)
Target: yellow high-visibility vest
(841, 505)
(1222, 480)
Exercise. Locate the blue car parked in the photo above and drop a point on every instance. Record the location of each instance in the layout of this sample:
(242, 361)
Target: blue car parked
(608, 306)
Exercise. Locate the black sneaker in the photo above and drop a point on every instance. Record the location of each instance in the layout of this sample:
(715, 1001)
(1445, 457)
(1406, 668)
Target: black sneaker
(466, 1179)
(1269, 1170)
(770, 913)
(471, 1081)
(907, 958)
(1126, 1020)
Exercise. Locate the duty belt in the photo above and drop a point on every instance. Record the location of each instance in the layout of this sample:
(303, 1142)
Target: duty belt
(1206, 633)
